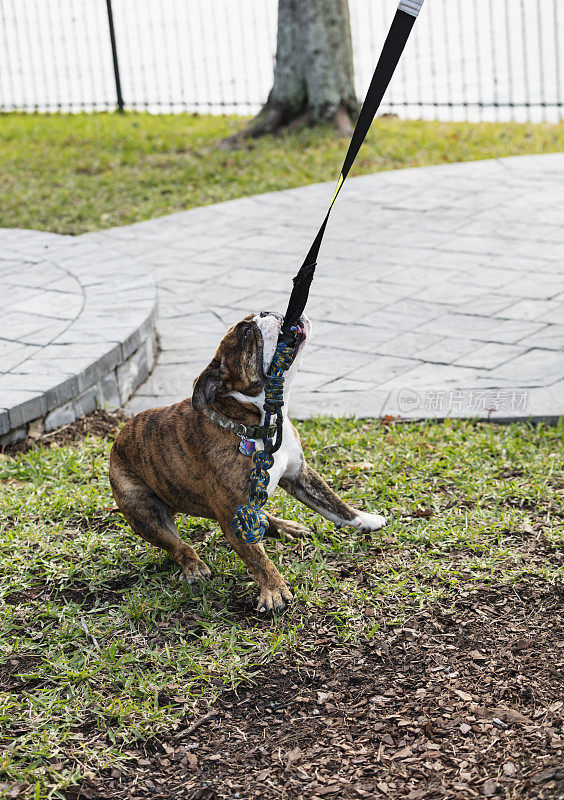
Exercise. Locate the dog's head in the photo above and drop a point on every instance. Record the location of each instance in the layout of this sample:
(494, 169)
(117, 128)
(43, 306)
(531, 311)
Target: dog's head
(244, 356)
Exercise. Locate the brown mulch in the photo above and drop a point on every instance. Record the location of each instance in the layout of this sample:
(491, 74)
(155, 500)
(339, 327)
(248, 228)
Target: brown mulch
(460, 702)
(98, 423)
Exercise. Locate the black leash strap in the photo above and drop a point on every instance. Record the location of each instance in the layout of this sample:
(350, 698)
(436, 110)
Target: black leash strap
(250, 522)
(394, 45)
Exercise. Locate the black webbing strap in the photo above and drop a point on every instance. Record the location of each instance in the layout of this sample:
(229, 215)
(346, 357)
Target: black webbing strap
(391, 52)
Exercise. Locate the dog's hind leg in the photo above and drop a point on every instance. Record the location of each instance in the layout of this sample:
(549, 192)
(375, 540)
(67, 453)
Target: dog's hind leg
(277, 528)
(309, 488)
(149, 517)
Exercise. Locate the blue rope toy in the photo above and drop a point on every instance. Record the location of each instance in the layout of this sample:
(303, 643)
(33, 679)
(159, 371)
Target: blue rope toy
(250, 522)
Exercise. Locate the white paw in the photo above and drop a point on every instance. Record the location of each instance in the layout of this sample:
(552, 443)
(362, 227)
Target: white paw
(368, 522)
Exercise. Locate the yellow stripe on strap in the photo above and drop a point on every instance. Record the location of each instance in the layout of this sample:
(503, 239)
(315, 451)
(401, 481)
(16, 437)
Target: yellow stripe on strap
(337, 190)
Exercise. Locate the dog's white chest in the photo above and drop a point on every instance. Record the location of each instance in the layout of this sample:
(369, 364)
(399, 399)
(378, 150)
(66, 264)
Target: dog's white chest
(287, 460)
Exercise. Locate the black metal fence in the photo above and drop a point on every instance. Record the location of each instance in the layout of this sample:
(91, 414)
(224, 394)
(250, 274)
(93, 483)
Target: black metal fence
(467, 59)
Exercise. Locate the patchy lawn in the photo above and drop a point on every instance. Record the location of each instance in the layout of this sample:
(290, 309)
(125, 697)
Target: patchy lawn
(424, 661)
(83, 172)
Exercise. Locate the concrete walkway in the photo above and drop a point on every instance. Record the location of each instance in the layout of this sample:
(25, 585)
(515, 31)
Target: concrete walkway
(77, 329)
(439, 291)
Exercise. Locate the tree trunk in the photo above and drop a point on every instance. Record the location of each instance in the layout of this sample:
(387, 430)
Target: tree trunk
(313, 74)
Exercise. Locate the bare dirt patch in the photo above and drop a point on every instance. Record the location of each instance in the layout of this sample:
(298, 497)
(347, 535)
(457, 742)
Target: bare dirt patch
(462, 701)
(98, 423)
(13, 672)
(79, 592)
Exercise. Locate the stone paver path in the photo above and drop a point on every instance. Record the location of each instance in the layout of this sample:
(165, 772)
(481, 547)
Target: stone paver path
(440, 290)
(77, 329)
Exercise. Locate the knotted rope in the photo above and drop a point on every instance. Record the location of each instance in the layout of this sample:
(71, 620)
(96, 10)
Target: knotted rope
(250, 523)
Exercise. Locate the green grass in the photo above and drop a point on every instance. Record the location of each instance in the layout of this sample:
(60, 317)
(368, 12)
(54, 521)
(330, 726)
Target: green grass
(77, 173)
(112, 649)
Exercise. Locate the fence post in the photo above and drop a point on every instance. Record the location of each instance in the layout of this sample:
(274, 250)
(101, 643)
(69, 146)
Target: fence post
(114, 56)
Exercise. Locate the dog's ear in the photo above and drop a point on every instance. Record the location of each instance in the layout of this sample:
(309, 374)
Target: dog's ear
(212, 381)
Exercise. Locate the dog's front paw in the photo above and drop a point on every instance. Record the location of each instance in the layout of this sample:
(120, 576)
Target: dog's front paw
(274, 600)
(194, 571)
(368, 522)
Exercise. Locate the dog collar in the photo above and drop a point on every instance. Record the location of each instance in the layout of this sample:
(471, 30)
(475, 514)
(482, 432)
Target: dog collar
(244, 431)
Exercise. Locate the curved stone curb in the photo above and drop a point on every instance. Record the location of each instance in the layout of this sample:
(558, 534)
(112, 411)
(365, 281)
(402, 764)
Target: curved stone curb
(439, 292)
(78, 329)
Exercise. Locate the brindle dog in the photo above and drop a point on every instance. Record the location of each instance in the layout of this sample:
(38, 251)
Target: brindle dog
(175, 459)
